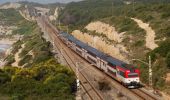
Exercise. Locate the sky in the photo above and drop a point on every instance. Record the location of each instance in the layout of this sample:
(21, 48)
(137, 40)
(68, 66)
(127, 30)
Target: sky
(39, 1)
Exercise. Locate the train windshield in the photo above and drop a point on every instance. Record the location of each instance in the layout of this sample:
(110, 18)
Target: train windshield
(133, 75)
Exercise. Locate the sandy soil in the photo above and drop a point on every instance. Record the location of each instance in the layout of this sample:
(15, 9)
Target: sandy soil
(100, 44)
(7, 41)
(150, 34)
(168, 77)
(17, 58)
(6, 30)
(106, 29)
(165, 96)
(116, 50)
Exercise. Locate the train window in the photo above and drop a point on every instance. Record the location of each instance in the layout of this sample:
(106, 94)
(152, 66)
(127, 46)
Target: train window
(91, 54)
(112, 65)
(133, 75)
(78, 51)
(78, 46)
(90, 59)
(122, 73)
(111, 72)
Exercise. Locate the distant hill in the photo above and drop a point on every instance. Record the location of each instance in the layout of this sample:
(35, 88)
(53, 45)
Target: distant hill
(31, 3)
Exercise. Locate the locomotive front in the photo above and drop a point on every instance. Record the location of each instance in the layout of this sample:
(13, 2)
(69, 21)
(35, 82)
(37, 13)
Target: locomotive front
(132, 78)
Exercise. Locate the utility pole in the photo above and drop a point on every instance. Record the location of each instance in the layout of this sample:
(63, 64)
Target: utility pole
(79, 64)
(77, 74)
(78, 82)
(133, 5)
(150, 69)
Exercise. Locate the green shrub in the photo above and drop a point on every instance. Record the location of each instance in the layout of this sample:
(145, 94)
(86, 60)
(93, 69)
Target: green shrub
(16, 46)
(168, 60)
(41, 56)
(26, 59)
(163, 48)
(56, 82)
(10, 59)
(4, 77)
(165, 15)
(139, 43)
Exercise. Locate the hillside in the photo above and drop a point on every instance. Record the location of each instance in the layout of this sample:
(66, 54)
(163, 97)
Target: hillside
(12, 18)
(31, 72)
(144, 24)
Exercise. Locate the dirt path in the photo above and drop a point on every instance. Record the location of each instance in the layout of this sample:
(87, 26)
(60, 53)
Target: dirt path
(17, 58)
(150, 34)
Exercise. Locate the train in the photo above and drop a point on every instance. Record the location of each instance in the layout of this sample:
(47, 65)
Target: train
(127, 74)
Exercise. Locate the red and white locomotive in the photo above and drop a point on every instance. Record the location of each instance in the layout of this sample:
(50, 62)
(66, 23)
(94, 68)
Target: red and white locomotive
(127, 74)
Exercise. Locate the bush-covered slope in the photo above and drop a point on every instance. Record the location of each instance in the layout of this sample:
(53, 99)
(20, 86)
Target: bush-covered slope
(38, 75)
(46, 81)
(12, 17)
(36, 49)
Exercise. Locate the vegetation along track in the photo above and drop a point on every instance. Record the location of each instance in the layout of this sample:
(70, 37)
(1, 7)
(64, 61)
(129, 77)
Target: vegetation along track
(143, 95)
(92, 93)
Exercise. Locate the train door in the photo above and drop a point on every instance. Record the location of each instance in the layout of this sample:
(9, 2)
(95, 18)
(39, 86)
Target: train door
(119, 74)
(71, 45)
(103, 65)
(65, 40)
(83, 53)
(98, 62)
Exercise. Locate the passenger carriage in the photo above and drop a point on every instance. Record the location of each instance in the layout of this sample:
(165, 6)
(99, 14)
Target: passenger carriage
(127, 74)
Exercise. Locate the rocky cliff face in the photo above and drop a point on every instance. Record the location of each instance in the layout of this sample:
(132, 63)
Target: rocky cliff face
(26, 13)
(10, 5)
(114, 48)
(106, 29)
(55, 16)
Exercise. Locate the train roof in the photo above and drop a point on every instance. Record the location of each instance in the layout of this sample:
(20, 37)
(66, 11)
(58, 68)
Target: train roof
(96, 52)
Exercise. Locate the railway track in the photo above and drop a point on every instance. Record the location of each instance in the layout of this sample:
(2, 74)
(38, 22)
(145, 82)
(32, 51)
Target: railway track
(91, 91)
(144, 95)
(85, 80)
